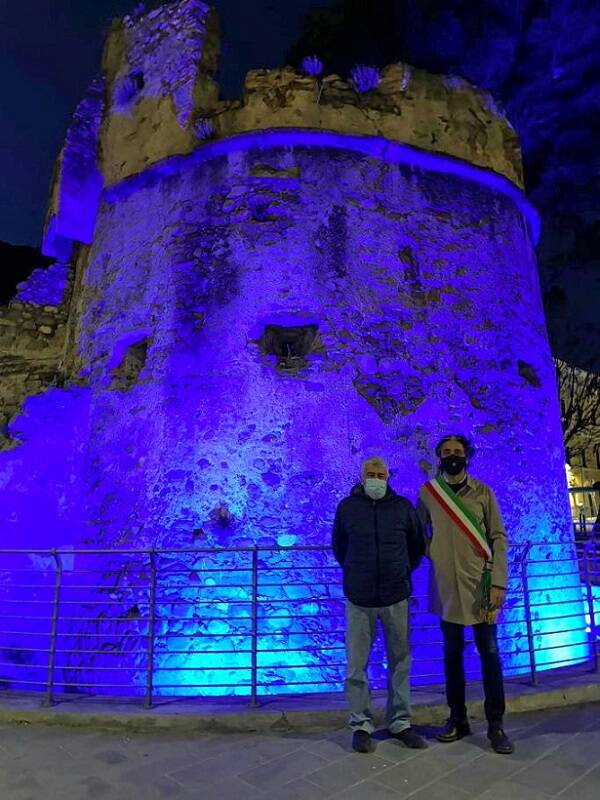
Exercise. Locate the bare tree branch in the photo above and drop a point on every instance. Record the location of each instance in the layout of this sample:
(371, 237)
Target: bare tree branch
(579, 393)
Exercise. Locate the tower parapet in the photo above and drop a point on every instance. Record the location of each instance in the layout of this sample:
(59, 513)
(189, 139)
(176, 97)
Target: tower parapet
(158, 99)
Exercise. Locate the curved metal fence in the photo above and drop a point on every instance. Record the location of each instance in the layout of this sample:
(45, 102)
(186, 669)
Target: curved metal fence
(251, 621)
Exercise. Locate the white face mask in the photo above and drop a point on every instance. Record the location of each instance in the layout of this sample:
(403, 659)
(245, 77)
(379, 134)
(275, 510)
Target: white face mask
(375, 488)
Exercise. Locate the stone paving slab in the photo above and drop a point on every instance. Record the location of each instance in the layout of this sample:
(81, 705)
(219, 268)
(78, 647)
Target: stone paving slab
(285, 713)
(557, 757)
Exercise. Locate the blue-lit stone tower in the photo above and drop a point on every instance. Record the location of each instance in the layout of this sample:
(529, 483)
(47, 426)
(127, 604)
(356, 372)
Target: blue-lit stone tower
(269, 290)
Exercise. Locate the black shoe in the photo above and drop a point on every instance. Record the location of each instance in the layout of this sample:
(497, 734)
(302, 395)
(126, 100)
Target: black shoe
(361, 742)
(410, 739)
(453, 730)
(500, 741)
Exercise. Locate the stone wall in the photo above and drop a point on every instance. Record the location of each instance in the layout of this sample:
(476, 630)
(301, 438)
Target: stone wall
(77, 183)
(263, 305)
(32, 337)
(159, 71)
(297, 309)
(424, 293)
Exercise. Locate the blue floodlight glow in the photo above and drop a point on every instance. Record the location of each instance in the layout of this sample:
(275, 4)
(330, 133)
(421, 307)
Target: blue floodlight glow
(191, 430)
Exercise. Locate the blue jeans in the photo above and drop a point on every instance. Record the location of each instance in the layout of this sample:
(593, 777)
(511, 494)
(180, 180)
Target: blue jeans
(361, 627)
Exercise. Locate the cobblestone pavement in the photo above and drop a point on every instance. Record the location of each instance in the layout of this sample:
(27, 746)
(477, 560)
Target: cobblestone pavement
(557, 756)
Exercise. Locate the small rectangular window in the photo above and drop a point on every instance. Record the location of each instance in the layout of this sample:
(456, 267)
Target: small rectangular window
(291, 344)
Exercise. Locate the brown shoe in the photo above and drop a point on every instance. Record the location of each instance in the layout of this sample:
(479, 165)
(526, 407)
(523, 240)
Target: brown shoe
(453, 730)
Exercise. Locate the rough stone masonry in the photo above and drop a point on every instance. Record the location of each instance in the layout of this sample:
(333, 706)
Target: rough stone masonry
(265, 291)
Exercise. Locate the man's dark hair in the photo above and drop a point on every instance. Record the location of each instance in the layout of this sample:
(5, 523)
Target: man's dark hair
(466, 443)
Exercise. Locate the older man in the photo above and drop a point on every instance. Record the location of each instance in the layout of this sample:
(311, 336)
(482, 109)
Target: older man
(467, 547)
(378, 541)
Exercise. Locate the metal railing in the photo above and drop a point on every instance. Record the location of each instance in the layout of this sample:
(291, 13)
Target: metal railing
(591, 572)
(252, 621)
(585, 505)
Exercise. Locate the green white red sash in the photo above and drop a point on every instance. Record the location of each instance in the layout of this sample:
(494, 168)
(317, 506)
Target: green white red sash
(460, 515)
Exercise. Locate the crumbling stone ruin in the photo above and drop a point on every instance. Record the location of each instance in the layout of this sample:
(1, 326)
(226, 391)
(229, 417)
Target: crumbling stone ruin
(252, 296)
(387, 226)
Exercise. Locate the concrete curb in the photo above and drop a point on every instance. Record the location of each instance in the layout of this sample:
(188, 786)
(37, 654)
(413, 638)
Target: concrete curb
(276, 715)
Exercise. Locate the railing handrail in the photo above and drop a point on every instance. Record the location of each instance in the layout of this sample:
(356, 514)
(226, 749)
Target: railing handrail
(234, 549)
(160, 550)
(140, 558)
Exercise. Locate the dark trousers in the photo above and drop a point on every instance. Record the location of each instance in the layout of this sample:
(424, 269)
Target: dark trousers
(491, 670)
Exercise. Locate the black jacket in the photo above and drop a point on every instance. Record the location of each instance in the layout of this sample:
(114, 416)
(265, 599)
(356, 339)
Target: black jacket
(378, 543)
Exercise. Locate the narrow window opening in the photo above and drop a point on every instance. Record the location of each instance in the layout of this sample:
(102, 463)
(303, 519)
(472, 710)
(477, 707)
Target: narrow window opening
(290, 345)
(134, 359)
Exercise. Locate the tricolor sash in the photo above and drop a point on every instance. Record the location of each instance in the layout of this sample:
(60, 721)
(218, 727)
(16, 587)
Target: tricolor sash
(466, 523)
(460, 515)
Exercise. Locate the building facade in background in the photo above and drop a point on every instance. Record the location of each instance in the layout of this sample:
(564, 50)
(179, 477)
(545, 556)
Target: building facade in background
(579, 393)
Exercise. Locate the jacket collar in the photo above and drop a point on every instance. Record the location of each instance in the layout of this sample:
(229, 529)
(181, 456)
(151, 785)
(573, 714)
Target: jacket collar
(469, 483)
(359, 490)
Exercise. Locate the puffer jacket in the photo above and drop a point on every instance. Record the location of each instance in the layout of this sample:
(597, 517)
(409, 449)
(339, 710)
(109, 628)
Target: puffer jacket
(378, 543)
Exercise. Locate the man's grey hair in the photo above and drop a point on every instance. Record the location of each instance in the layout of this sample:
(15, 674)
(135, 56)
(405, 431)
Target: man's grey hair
(377, 463)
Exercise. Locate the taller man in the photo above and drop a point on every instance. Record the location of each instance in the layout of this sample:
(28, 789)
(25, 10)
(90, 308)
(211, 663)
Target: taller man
(467, 546)
(378, 541)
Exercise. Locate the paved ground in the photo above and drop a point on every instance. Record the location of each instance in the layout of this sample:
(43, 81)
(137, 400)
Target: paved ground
(557, 755)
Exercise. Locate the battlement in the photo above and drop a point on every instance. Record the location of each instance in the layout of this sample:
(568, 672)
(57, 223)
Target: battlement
(158, 98)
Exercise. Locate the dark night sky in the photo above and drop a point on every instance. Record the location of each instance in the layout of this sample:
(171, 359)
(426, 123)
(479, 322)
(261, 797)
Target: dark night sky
(49, 52)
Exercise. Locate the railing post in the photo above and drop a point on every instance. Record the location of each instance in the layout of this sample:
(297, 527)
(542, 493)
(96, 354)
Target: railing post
(254, 637)
(587, 554)
(53, 634)
(582, 524)
(151, 622)
(527, 601)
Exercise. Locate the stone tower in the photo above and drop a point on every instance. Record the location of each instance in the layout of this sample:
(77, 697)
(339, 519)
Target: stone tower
(267, 291)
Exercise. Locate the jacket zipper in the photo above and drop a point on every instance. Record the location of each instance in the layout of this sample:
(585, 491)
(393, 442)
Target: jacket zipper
(377, 596)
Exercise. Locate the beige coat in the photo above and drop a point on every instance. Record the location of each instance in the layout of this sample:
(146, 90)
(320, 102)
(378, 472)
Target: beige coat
(455, 579)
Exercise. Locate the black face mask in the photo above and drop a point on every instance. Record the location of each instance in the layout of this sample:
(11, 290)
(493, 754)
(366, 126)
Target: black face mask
(453, 465)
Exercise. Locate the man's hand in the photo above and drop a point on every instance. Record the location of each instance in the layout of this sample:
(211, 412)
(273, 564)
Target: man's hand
(497, 597)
